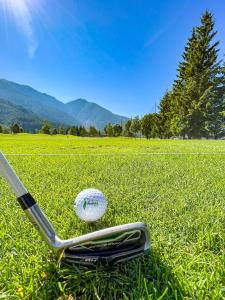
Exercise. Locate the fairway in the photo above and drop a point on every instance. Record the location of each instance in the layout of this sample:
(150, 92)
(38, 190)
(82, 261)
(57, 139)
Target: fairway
(177, 187)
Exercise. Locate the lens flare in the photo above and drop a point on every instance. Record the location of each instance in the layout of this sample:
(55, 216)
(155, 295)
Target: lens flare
(20, 11)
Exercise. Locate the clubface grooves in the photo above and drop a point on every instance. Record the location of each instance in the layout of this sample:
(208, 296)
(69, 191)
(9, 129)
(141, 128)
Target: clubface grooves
(106, 247)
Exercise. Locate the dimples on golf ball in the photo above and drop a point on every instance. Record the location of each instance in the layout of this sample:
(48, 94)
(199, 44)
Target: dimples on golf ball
(90, 205)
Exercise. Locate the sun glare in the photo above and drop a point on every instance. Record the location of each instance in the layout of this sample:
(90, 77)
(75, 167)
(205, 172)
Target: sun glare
(20, 11)
(16, 7)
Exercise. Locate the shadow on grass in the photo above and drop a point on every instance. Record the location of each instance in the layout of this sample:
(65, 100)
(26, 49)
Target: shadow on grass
(143, 278)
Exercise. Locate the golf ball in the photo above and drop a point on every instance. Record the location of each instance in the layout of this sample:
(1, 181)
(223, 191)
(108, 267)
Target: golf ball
(90, 205)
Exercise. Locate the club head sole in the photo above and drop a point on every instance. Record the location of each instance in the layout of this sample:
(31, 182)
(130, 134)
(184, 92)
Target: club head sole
(109, 250)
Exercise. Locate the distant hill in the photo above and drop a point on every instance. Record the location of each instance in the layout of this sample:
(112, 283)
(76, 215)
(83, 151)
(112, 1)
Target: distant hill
(88, 113)
(44, 106)
(11, 113)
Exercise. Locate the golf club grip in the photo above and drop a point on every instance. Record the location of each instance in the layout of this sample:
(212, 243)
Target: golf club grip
(10, 176)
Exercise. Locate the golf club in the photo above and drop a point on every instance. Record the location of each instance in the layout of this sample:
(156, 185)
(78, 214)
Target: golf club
(103, 247)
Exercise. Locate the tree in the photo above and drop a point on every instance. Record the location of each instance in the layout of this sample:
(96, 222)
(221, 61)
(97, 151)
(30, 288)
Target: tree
(197, 89)
(54, 131)
(93, 131)
(220, 124)
(165, 115)
(1, 129)
(5, 130)
(78, 131)
(15, 128)
(83, 131)
(127, 131)
(45, 127)
(135, 126)
(156, 130)
(61, 130)
(108, 129)
(72, 130)
(117, 130)
(150, 125)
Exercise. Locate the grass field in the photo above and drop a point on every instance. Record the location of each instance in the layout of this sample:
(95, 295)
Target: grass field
(176, 187)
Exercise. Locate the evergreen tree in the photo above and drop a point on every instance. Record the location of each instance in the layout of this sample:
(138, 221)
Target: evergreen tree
(5, 130)
(15, 128)
(220, 125)
(45, 128)
(150, 125)
(72, 130)
(1, 129)
(135, 126)
(108, 129)
(54, 131)
(117, 130)
(93, 131)
(83, 131)
(196, 91)
(61, 130)
(165, 115)
(127, 131)
(78, 131)
(21, 129)
(146, 125)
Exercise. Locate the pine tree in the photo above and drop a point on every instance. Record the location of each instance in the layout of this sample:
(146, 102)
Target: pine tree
(108, 129)
(61, 130)
(127, 126)
(135, 126)
(45, 127)
(150, 125)
(72, 130)
(15, 128)
(54, 131)
(196, 91)
(93, 131)
(83, 131)
(220, 124)
(117, 130)
(165, 115)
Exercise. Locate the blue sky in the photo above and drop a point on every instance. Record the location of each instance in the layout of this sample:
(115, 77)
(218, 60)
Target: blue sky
(121, 54)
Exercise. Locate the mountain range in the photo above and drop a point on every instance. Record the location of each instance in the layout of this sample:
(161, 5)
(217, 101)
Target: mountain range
(22, 103)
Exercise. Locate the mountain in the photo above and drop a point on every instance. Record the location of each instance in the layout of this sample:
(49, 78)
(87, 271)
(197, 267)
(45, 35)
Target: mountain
(89, 113)
(11, 113)
(41, 104)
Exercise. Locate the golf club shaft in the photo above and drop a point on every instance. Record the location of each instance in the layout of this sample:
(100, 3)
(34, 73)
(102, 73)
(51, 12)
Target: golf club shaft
(28, 204)
(10, 176)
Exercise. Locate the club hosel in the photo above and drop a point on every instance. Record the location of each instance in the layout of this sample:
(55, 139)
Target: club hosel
(42, 224)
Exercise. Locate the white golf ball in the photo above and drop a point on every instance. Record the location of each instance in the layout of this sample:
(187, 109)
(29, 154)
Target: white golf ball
(90, 205)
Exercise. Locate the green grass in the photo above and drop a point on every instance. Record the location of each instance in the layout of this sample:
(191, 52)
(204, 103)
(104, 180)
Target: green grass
(176, 187)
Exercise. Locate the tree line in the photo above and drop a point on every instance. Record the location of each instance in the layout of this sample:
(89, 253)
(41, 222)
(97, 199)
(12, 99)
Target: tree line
(47, 128)
(132, 128)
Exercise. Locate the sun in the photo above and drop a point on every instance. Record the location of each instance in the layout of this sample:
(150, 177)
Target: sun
(16, 7)
(21, 13)
(13, 4)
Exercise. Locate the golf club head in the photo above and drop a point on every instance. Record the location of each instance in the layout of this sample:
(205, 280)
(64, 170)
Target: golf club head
(119, 244)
